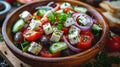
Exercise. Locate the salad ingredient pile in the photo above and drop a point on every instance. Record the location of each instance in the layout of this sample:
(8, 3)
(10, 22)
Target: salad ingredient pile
(56, 30)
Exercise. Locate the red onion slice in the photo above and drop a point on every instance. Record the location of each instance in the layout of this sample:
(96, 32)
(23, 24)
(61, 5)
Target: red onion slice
(50, 3)
(88, 26)
(70, 46)
(44, 7)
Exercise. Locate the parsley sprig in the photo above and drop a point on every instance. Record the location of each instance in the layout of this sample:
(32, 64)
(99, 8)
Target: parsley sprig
(60, 18)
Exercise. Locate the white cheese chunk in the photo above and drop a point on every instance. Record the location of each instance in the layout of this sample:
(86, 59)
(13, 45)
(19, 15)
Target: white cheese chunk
(47, 28)
(74, 29)
(35, 24)
(26, 15)
(57, 34)
(83, 19)
(65, 5)
(35, 48)
(74, 38)
(69, 22)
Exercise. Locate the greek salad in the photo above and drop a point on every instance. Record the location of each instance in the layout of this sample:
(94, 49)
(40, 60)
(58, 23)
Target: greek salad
(56, 30)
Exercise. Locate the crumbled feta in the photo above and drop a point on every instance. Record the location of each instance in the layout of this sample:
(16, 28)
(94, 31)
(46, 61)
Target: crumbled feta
(65, 5)
(83, 20)
(69, 22)
(35, 48)
(57, 34)
(74, 29)
(26, 15)
(47, 28)
(35, 24)
(74, 38)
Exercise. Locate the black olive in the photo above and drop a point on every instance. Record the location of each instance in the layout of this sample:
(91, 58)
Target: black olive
(18, 37)
(45, 41)
(67, 52)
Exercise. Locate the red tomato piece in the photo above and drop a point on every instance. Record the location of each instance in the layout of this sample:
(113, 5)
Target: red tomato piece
(65, 30)
(67, 10)
(47, 54)
(31, 35)
(85, 40)
(10, 1)
(113, 44)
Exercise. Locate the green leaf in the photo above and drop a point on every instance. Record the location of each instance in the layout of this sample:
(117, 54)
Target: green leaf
(1, 38)
(25, 45)
(53, 18)
(59, 26)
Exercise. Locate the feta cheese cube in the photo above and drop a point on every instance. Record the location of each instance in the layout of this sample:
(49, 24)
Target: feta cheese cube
(65, 5)
(69, 22)
(26, 15)
(74, 38)
(74, 29)
(83, 19)
(35, 48)
(35, 24)
(57, 34)
(47, 28)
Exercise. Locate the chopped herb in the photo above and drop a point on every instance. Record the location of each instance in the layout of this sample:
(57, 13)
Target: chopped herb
(59, 26)
(1, 38)
(25, 46)
(53, 18)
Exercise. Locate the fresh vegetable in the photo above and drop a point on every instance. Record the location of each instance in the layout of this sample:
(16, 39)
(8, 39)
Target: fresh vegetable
(85, 40)
(10, 1)
(42, 11)
(56, 29)
(18, 25)
(69, 10)
(80, 9)
(57, 47)
(70, 46)
(31, 35)
(113, 43)
(19, 37)
(83, 21)
(96, 29)
(25, 46)
(47, 54)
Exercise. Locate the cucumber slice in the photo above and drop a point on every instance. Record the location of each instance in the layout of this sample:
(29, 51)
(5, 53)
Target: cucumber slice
(59, 46)
(80, 9)
(42, 11)
(18, 25)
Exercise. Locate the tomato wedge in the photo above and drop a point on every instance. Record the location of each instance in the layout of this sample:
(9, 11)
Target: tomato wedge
(65, 30)
(85, 40)
(31, 35)
(67, 10)
(45, 53)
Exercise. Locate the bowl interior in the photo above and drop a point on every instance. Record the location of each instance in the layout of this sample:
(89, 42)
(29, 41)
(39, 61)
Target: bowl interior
(14, 16)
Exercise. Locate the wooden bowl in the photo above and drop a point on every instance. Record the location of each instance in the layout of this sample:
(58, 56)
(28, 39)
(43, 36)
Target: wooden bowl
(69, 61)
